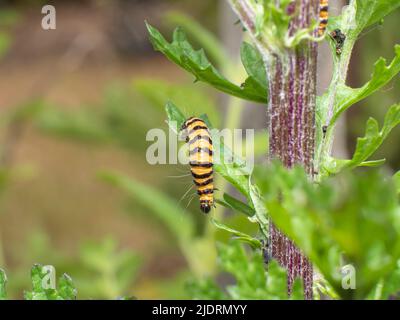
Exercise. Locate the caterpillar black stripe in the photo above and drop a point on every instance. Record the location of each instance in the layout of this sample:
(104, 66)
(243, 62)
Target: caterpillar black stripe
(201, 160)
(323, 16)
(199, 137)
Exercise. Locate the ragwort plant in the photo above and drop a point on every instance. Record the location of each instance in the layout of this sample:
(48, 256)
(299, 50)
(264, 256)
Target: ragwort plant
(318, 215)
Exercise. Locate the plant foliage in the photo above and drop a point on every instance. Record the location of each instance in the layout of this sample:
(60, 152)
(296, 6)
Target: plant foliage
(181, 52)
(65, 291)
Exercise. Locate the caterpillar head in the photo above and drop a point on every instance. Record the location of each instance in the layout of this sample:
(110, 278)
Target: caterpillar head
(206, 205)
(184, 125)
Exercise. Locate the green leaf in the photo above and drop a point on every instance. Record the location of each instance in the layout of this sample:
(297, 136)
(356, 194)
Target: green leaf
(372, 163)
(297, 290)
(382, 75)
(204, 289)
(361, 14)
(349, 219)
(254, 64)
(232, 203)
(261, 215)
(206, 39)
(66, 288)
(3, 283)
(40, 292)
(38, 274)
(253, 242)
(181, 52)
(322, 288)
(367, 145)
(248, 270)
(174, 115)
(373, 11)
(235, 173)
(391, 285)
(252, 280)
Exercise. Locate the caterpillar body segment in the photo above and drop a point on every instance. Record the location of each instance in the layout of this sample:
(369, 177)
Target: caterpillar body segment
(201, 160)
(323, 17)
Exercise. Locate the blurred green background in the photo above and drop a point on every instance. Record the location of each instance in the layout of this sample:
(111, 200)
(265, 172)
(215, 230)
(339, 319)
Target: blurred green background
(75, 106)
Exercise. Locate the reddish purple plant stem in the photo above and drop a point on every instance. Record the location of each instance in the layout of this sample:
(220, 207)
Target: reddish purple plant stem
(291, 123)
(291, 117)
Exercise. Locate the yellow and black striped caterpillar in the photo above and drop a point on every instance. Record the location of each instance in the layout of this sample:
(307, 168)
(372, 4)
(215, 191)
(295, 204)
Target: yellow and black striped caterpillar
(201, 160)
(323, 16)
